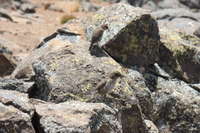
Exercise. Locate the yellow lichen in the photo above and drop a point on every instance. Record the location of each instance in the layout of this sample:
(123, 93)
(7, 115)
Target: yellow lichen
(51, 79)
(88, 87)
(128, 106)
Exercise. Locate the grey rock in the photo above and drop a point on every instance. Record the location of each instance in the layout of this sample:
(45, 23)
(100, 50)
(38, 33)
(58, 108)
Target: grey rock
(197, 32)
(191, 3)
(179, 55)
(17, 100)
(88, 7)
(149, 5)
(175, 105)
(19, 85)
(126, 34)
(170, 4)
(76, 116)
(28, 8)
(53, 7)
(13, 120)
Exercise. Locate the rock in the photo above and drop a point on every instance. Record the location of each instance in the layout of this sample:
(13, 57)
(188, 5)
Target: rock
(191, 3)
(16, 5)
(136, 3)
(88, 7)
(152, 128)
(73, 32)
(19, 85)
(170, 14)
(8, 62)
(179, 55)
(53, 7)
(75, 116)
(17, 100)
(149, 5)
(137, 82)
(83, 74)
(12, 47)
(28, 8)
(13, 120)
(175, 105)
(180, 20)
(170, 4)
(4, 15)
(185, 25)
(197, 32)
(5, 3)
(132, 39)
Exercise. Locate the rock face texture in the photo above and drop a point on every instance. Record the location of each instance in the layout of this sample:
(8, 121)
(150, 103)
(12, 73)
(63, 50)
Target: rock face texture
(133, 38)
(160, 90)
(16, 112)
(78, 117)
(180, 55)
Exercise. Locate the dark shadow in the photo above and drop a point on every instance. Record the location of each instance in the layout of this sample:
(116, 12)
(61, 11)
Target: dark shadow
(98, 52)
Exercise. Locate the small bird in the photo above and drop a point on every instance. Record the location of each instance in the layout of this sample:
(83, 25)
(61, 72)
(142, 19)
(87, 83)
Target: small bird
(107, 85)
(97, 34)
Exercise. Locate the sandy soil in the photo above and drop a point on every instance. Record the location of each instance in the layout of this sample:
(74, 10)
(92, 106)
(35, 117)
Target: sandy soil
(28, 36)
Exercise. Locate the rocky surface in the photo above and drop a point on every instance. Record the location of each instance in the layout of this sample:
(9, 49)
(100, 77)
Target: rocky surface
(16, 112)
(79, 117)
(25, 86)
(160, 90)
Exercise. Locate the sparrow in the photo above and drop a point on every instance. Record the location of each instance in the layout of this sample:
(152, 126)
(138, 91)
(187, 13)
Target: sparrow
(107, 85)
(97, 34)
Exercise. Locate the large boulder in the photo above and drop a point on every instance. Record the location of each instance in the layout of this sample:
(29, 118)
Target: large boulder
(132, 39)
(72, 74)
(180, 55)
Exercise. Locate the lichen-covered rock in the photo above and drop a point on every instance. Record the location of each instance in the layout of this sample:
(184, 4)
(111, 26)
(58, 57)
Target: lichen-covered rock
(176, 105)
(180, 55)
(132, 38)
(11, 118)
(79, 117)
(71, 73)
(137, 82)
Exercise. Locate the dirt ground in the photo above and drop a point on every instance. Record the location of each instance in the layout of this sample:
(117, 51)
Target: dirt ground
(27, 36)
